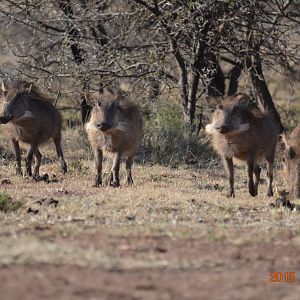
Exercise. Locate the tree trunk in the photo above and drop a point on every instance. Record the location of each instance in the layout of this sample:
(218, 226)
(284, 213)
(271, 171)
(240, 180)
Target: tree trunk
(73, 34)
(235, 74)
(259, 84)
(216, 87)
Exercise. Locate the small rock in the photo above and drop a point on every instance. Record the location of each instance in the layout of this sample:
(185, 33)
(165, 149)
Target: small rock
(6, 181)
(40, 201)
(130, 218)
(161, 249)
(32, 211)
(53, 202)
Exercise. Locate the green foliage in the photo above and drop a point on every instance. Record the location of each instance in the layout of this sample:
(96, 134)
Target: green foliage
(7, 204)
(167, 139)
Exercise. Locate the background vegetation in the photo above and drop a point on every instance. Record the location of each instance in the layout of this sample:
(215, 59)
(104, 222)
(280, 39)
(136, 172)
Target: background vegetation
(174, 234)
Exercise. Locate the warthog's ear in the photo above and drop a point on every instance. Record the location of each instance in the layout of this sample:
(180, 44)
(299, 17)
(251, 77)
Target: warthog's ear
(121, 94)
(212, 102)
(26, 87)
(3, 86)
(90, 98)
(244, 101)
(118, 104)
(290, 152)
(283, 139)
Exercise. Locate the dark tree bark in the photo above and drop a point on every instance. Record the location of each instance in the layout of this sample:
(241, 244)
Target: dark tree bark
(73, 33)
(259, 84)
(235, 74)
(216, 87)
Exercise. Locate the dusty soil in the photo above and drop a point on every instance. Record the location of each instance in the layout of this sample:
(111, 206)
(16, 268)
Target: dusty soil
(174, 235)
(141, 266)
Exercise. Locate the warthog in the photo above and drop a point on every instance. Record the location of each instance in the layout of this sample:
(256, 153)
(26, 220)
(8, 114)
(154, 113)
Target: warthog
(31, 119)
(115, 127)
(292, 161)
(246, 135)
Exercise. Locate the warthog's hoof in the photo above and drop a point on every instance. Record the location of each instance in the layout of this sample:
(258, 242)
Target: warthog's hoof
(230, 195)
(19, 171)
(96, 185)
(130, 182)
(28, 172)
(64, 168)
(252, 190)
(115, 184)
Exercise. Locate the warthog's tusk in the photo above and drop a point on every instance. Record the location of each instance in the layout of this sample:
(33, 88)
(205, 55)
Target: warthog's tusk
(209, 128)
(27, 114)
(121, 126)
(243, 127)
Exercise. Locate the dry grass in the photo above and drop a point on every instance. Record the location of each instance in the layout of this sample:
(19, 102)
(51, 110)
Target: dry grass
(172, 219)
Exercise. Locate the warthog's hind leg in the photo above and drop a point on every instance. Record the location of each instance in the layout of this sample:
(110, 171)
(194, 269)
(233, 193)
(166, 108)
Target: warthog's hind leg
(37, 164)
(228, 165)
(98, 155)
(257, 171)
(270, 161)
(129, 162)
(114, 176)
(28, 161)
(250, 169)
(60, 155)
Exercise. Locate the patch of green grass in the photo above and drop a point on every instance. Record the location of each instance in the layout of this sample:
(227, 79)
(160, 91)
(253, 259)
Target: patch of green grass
(7, 204)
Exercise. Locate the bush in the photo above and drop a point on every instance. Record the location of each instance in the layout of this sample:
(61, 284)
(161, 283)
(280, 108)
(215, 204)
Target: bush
(167, 140)
(7, 204)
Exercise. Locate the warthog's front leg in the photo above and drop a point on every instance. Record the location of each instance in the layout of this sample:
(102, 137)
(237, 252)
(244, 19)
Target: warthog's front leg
(17, 152)
(60, 155)
(250, 169)
(37, 164)
(257, 171)
(270, 161)
(28, 161)
(228, 165)
(98, 156)
(114, 177)
(129, 162)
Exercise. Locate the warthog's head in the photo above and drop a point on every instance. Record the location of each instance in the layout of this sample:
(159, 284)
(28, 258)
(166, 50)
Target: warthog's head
(291, 143)
(106, 115)
(230, 120)
(291, 158)
(14, 101)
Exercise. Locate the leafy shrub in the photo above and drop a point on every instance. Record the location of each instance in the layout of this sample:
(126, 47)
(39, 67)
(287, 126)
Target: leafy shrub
(7, 204)
(167, 140)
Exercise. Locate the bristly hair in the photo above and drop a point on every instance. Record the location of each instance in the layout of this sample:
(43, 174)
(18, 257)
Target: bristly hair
(33, 91)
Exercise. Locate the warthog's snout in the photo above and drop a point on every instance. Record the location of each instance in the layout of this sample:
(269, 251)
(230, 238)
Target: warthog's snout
(223, 129)
(104, 126)
(6, 118)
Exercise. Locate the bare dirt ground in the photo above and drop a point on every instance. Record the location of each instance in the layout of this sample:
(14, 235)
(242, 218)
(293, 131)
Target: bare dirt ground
(173, 235)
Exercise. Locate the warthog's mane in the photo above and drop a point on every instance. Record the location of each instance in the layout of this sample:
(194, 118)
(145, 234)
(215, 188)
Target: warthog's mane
(36, 95)
(28, 91)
